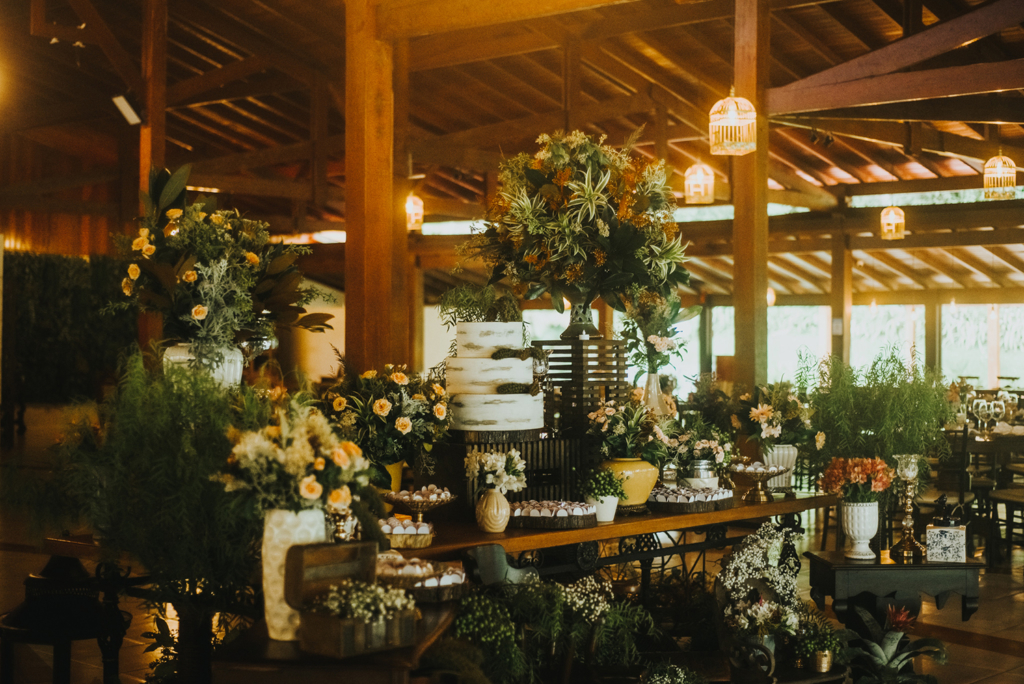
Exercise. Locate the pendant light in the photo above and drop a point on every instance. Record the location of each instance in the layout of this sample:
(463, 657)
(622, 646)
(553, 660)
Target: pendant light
(413, 212)
(1000, 178)
(894, 223)
(733, 127)
(771, 296)
(699, 184)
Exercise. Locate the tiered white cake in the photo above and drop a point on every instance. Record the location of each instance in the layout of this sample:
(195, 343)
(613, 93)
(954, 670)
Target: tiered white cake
(473, 378)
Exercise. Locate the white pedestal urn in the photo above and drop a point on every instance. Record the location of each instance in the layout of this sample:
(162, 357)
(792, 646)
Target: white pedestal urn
(605, 506)
(492, 511)
(781, 455)
(860, 522)
(282, 530)
(227, 374)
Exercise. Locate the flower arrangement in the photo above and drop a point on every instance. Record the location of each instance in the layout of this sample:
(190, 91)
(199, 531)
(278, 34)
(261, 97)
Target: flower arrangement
(667, 673)
(816, 633)
(761, 618)
(857, 480)
(393, 414)
(296, 462)
(601, 483)
(650, 331)
(213, 275)
(588, 599)
(581, 219)
(628, 430)
(703, 442)
(504, 471)
(772, 414)
(361, 601)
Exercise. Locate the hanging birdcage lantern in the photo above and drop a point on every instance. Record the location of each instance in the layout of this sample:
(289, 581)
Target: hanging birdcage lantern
(699, 185)
(894, 223)
(770, 296)
(413, 212)
(733, 128)
(1000, 178)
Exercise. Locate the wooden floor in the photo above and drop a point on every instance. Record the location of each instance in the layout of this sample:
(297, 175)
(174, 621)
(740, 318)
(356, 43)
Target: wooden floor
(989, 648)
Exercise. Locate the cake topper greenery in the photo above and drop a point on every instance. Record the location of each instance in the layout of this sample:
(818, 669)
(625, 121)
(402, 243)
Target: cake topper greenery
(214, 275)
(474, 304)
(580, 219)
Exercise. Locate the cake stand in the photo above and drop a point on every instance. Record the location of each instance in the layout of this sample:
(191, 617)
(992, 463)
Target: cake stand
(417, 507)
(759, 493)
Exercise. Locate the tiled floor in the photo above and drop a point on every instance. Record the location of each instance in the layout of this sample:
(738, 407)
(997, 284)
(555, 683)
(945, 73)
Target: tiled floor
(989, 648)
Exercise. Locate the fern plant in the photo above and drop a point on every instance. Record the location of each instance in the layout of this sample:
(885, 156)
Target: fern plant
(473, 304)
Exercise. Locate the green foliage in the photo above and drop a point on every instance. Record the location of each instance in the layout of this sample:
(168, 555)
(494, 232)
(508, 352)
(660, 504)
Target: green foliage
(458, 658)
(650, 329)
(713, 404)
(472, 304)
(57, 347)
(532, 388)
(602, 482)
(535, 353)
(815, 633)
(485, 622)
(665, 672)
(885, 658)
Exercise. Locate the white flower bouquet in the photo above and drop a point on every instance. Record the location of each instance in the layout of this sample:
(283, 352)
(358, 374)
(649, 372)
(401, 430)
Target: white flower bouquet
(504, 471)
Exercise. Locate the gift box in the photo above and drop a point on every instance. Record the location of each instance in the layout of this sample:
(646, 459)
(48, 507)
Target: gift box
(946, 544)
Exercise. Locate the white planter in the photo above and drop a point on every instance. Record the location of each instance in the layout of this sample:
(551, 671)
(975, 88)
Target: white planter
(605, 506)
(781, 455)
(860, 522)
(227, 374)
(282, 530)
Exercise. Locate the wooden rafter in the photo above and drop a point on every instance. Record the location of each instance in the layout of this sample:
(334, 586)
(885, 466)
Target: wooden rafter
(122, 62)
(973, 108)
(946, 267)
(979, 266)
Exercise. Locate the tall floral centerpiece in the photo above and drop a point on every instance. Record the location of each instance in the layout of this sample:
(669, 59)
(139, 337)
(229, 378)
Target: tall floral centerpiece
(629, 435)
(650, 336)
(703, 450)
(580, 219)
(493, 474)
(295, 468)
(859, 483)
(775, 417)
(395, 415)
(214, 276)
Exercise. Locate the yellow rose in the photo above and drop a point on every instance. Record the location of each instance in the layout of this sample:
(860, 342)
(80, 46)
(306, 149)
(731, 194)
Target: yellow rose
(126, 286)
(369, 374)
(440, 411)
(319, 463)
(351, 449)
(144, 232)
(819, 440)
(418, 397)
(340, 457)
(133, 271)
(309, 488)
(340, 403)
(216, 219)
(252, 259)
(340, 498)
(139, 243)
(399, 378)
(403, 425)
(199, 312)
(173, 213)
(382, 407)
(190, 276)
(438, 390)
(149, 250)
(202, 215)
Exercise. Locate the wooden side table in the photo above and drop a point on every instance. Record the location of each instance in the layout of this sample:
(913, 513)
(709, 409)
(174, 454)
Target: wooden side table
(845, 579)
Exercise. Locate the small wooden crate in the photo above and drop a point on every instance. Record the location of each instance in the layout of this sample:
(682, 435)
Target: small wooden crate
(583, 373)
(342, 638)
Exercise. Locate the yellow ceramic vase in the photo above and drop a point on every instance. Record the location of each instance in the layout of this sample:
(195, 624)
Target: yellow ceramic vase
(640, 478)
(395, 471)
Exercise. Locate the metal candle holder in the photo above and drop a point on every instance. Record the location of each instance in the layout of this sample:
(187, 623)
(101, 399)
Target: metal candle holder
(908, 545)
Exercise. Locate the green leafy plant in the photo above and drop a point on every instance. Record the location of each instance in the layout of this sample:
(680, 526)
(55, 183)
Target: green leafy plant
(601, 483)
(816, 633)
(711, 403)
(885, 658)
(485, 621)
(473, 304)
(352, 598)
(650, 330)
(628, 430)
(665, 672)
(772, 414)
(700, 441)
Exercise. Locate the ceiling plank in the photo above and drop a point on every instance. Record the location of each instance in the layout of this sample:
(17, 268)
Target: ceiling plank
(123, 64)
(979, 265)
(216, 78)
(263, 187)
(900, 267)
(946, 268)
(1011, 259)
(972, 108)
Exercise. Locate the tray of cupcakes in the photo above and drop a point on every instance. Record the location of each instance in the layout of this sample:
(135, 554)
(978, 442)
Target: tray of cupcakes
(425, 581)
(673, 500)
(404, 533)
(553, 515)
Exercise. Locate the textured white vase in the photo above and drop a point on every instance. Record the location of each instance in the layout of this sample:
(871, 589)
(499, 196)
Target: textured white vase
(781, 455)
(282, 530)
(860, 522)
(227, 374)
(605, 507)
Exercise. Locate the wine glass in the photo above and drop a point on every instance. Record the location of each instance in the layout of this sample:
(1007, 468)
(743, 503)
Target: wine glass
(984, 413)
(998, 409)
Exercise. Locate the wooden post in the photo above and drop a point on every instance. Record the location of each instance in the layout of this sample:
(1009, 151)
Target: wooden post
(572, 78)
(841, 295)
(705, 340)
(414, 292)
(404, 321)
(369, 205)
(933, 334)
(750, 197)
(319, 97)
(605, 319)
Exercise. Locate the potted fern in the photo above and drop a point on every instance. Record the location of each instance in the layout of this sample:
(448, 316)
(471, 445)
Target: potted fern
(602, 489)
(817, 641)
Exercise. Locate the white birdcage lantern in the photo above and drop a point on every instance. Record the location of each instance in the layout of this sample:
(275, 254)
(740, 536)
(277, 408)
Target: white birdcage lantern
(413, 212)
(770, 296)
(699, 184)
(894, 223)
(733, 128)
(1000, 178)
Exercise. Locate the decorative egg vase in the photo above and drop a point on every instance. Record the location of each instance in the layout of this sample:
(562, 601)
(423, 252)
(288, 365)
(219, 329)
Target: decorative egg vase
(492, 511)
(281, 531)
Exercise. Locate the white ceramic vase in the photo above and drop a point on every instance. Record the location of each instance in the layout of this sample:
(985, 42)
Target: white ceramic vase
(605, 506)
(492, 511)
(781, 455)
(282, 530)
(227, 374)
(860, 522)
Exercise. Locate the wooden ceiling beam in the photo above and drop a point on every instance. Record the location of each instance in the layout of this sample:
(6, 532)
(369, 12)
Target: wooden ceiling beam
(938, 296)
(815, 283)
(946, 267)
(900, 268)
(709, 277)
(1011, 259)
(217, 78)
(263, 187)
(122, 62)
(920, 185)
(969, 108)
(978, 265)
(999, 236)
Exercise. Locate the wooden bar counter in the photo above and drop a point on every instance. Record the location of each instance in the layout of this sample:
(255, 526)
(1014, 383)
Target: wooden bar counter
(452, 536)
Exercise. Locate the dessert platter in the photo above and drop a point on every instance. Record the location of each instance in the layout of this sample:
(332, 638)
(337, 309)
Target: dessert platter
(760, 474)
(426, 581)
(553, 515)
(407, 534)
(420, 501)
(673, 500)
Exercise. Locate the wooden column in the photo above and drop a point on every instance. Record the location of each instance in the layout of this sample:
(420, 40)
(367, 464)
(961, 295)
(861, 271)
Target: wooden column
(841, 295)
(404, 320)
(153, 133)
(661, 134)
(414, 294)
(605, 319)
(705, 343)
(572, 77)
(369, 205)
(933, 334)
(319, 99)
(750, 197)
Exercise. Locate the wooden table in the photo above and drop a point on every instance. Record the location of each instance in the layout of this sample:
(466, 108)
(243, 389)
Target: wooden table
(452, 537)
(256, 659)
(845, 579)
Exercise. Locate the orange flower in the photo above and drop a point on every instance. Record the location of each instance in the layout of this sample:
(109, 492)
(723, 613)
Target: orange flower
(340, 403)
(340, 458)
(139, 243)
(440, 411)
(319, 463)
(403, 425)
(382, 407)
(149, 250)
(309, 488)
(190, 276)
(134, 271)
(199, 312)
(126, 286)
(340, 498)
(173, 213)
(437, 389)
(351, 450)
(252, 259)
(399, 378)
(369, 374)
